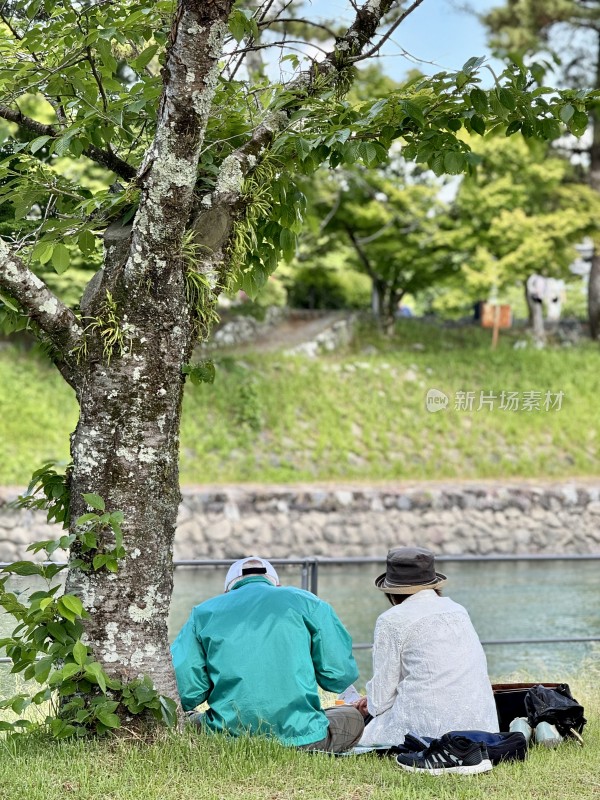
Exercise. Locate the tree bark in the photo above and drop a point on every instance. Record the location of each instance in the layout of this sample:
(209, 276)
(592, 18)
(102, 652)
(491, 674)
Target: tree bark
(594, 278)
(125, 448)
(594, 296)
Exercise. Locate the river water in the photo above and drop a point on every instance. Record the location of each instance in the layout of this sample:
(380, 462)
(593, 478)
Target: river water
(506, 600)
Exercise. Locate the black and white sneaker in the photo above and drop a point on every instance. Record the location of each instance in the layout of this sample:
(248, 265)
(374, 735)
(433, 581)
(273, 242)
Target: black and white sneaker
(448, 754)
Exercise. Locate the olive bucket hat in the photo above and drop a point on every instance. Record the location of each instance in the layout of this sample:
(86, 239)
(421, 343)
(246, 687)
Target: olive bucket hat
(408, 570)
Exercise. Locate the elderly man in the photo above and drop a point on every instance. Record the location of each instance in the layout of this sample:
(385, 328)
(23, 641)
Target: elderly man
(257, 654)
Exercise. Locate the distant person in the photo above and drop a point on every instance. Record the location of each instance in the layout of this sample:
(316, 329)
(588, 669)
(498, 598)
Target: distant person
(258, 653)
(404, 311)
(429, 669)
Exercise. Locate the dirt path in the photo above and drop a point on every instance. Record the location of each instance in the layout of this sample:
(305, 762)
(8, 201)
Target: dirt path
(288, 333)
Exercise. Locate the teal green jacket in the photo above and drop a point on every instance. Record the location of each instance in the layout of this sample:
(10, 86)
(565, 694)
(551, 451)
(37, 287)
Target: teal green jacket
(256, 654)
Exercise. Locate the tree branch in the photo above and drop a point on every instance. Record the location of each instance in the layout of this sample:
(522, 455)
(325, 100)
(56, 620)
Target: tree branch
(168, 173)
(361, 254)
(358, 35)
(105, 158)
(388, 33)
(56, 319)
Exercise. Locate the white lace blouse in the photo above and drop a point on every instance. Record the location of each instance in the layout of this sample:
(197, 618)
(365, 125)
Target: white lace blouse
(429, 673)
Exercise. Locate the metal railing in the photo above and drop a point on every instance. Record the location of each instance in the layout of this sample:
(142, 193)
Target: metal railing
(309, 580)
(309, 577)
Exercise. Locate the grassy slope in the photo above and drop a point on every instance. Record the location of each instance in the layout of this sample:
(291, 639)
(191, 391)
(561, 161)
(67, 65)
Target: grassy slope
(358, 414)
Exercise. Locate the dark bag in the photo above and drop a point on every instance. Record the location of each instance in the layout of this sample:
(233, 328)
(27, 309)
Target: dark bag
(500, 746)
(510, 700)
(557, 706)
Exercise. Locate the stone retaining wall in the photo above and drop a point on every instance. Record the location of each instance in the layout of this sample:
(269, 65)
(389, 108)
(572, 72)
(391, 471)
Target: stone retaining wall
(227, 522)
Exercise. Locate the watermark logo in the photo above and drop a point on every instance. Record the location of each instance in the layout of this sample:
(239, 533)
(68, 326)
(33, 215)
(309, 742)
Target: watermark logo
(506, 401)
(436, 400)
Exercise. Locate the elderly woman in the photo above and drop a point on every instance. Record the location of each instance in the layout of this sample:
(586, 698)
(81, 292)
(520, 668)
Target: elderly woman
(429, 668)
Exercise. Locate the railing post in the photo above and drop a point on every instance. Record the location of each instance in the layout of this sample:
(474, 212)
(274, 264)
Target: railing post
(304, 577)
(314, 576)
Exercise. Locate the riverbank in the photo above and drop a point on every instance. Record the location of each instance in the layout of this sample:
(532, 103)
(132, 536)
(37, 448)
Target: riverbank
(350, 519)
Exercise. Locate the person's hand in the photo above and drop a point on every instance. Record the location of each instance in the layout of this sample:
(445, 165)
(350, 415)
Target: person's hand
(361, 705)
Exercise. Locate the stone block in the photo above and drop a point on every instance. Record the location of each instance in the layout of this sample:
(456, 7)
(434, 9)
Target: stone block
(219, 531)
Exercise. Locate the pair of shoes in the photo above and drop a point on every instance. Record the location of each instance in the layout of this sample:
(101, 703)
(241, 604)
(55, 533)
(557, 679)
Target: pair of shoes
(547, 735)
(448, 754)
(520, 725)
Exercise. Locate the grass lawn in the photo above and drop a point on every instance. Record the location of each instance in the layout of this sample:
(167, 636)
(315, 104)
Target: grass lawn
(356, 414)
(191, 767)
(194, 767)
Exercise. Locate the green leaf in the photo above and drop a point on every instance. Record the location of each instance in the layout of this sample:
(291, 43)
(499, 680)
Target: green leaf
(287, 241)
(168, 709)
(42, 669)
(413, 111)
(479, 100)
(95, 673)
(461, 79)
(203, 372)
(70, 607)
(38, 143)
(105, 50)
(68, 670)
(238, 25)
(61, 258)
(496, 105)
(579, 123)
(9, 303)
(108, 719)
(80, 652)
(61, 729)
(57, 631)
(99, 561)
(23, 568)
(550, 128)
(95, 501)
(454, 162)
(507, 99)
(144, 58)
(20, 703)
(87, 242)
(478, 124)
(538, 71)
(567, 112)
(473, 63)
(514, 126)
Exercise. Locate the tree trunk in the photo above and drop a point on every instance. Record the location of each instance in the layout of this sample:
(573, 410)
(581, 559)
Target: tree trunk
(391, 309)
(376, 301)
(125, 449)
(594, 296)
(594, 279)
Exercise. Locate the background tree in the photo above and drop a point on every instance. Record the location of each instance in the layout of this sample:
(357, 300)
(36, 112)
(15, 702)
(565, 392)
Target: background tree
(521, 213)
(388, 227)
(203, 197)
(568, 31)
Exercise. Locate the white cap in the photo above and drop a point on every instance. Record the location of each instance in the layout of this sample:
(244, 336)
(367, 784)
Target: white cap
(240, 569)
